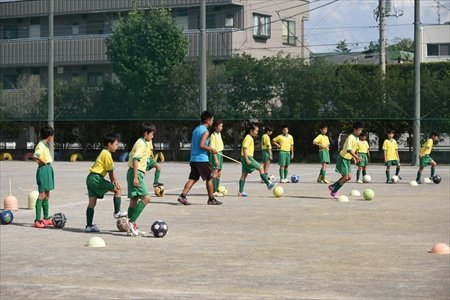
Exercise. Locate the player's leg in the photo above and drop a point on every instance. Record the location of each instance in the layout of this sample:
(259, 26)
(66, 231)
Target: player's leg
(157, 175)
(388, 175)
(397, 170)
(90, 212)
(433, 167)
(419, 173)
(358, 173)
(242, 184)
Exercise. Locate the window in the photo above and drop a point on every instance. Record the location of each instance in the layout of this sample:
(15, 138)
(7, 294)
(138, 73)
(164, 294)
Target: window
(11, 32)
(95, 79)
(75, 28)
(229, 21)
(95, 27)
(10, 81)
(288, 32)
(261, 26)
(438, 49)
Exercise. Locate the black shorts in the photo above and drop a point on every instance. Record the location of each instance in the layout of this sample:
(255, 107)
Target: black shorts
(202, 169)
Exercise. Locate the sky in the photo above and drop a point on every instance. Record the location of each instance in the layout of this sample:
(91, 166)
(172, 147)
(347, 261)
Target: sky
(354, 22)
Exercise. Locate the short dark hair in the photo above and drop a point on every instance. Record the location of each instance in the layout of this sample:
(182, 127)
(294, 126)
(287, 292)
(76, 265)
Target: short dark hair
(252, 126)
(284, 126)
(147, 127)
(358, 124)
(434, 133)
(205, 116)
(267, 129)
(390, 131)
(323, 125)
(110, 138)
(47, 131)
(364, 133)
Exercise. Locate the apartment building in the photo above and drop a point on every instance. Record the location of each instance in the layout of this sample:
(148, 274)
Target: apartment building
(258, 28)
(435, 42)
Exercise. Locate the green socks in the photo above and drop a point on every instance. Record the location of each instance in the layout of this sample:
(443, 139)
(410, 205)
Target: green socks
(89, 216)
(137, 211)
(38, 207)
(116, 201)
(45, 208)
(432, 171)
(323, 173)
(241, 185)
(215, 182)
(397, 170)
(281, 171)
(285, 173)
(358, 172)
(419, 174)
(157, 174)
(364, 172)
(337, 185)
(130, 211)
(265, 179)
(388, 176)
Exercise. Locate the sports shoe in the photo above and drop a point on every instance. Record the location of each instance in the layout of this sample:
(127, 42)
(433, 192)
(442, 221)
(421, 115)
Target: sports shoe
(285, 180)
(243, 194)
(217, 194)
(333, 194)
(92, 228)
(183, 200)
(39, 224)
(47, 222)
(271, 185)
(319, 179)
(325, 180)
(360, 181)
(399, 178)
(214, 201)
(132, 228)
(156, 184)
(120, 214)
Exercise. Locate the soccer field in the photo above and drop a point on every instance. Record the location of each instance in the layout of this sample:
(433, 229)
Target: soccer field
(304, 245)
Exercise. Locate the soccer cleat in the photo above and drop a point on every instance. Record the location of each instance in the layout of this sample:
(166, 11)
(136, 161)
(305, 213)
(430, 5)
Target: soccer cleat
(360, 181)
(335, 195)
(285, 180)
(217, 194)
(120, 214)
(319, 179)
(271, 185)
(214, 201)
(325, 180)
(47, 222)
(243, 194)
(92, 228)
(38, 224)
(156, 184)
(132, 228)
(183, 200)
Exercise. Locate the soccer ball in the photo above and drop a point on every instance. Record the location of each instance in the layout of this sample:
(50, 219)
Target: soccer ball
(368, 194)
(295, 178)
(395, 179)
(437, 179)
(59, 220)
(367, 179)
(6, 217)
(278, 191)
(159, 191)
(122, 224)
(221, 189)
(272, 178)
(159, 228)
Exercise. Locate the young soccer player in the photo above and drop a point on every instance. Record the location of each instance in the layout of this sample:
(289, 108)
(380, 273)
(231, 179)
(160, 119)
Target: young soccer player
(344, 159)
(44, 177)
(98, 186)
(323, 142)
(266, 149)
(285, 143)
(137, 165)
(199, 161)
(216, 159)
(151, 163)
(364, 153)
(425, 158)
(391, 157)
(249, 164)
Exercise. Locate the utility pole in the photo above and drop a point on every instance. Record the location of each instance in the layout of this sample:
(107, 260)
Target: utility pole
(417, 60)
(50, 54)
(382, 15)
(203, 104)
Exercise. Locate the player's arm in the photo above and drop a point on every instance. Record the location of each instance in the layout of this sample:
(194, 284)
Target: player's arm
(368, 153)
(275, 143)
(112, 178)
(39, 160)
(292, 151)
(203, 145)
(135, 172)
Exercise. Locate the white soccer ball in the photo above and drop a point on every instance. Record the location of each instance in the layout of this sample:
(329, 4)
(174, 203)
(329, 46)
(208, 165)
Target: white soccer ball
(367, 179)
(343, 198)
(355, 193)
(413, 183)
(272, 178)
(395, 179)
(427, 180)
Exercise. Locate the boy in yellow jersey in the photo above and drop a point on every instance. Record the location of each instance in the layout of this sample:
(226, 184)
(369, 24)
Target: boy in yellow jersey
(364, 153)
(216, 159)
(391, 157)
(44, 177)
(98, 186)
(137, 165)
(344, 159)
(151, 163)
(285, 143)
(266, 149)
(249, 164)
(425, 158)
(323, 142)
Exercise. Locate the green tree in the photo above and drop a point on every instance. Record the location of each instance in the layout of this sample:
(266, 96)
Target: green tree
(402, 45)
(342, 47)
(144, 50)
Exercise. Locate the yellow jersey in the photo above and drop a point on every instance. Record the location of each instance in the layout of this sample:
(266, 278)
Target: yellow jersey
(216, 142)
(43, 152)
(323, 141)
(248, 145)
(266, 145)
(103, 164)
(351, 144)
(285, 142)
(363, 147)
(426, 148)
(140, 152)
(391, 148)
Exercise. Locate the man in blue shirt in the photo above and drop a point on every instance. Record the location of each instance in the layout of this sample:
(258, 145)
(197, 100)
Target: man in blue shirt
(199, 161)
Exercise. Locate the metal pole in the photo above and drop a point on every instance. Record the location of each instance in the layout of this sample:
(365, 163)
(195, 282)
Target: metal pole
(417, 59)
(382, 12)
(303, 39)
(203, 103)
(50, 54)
